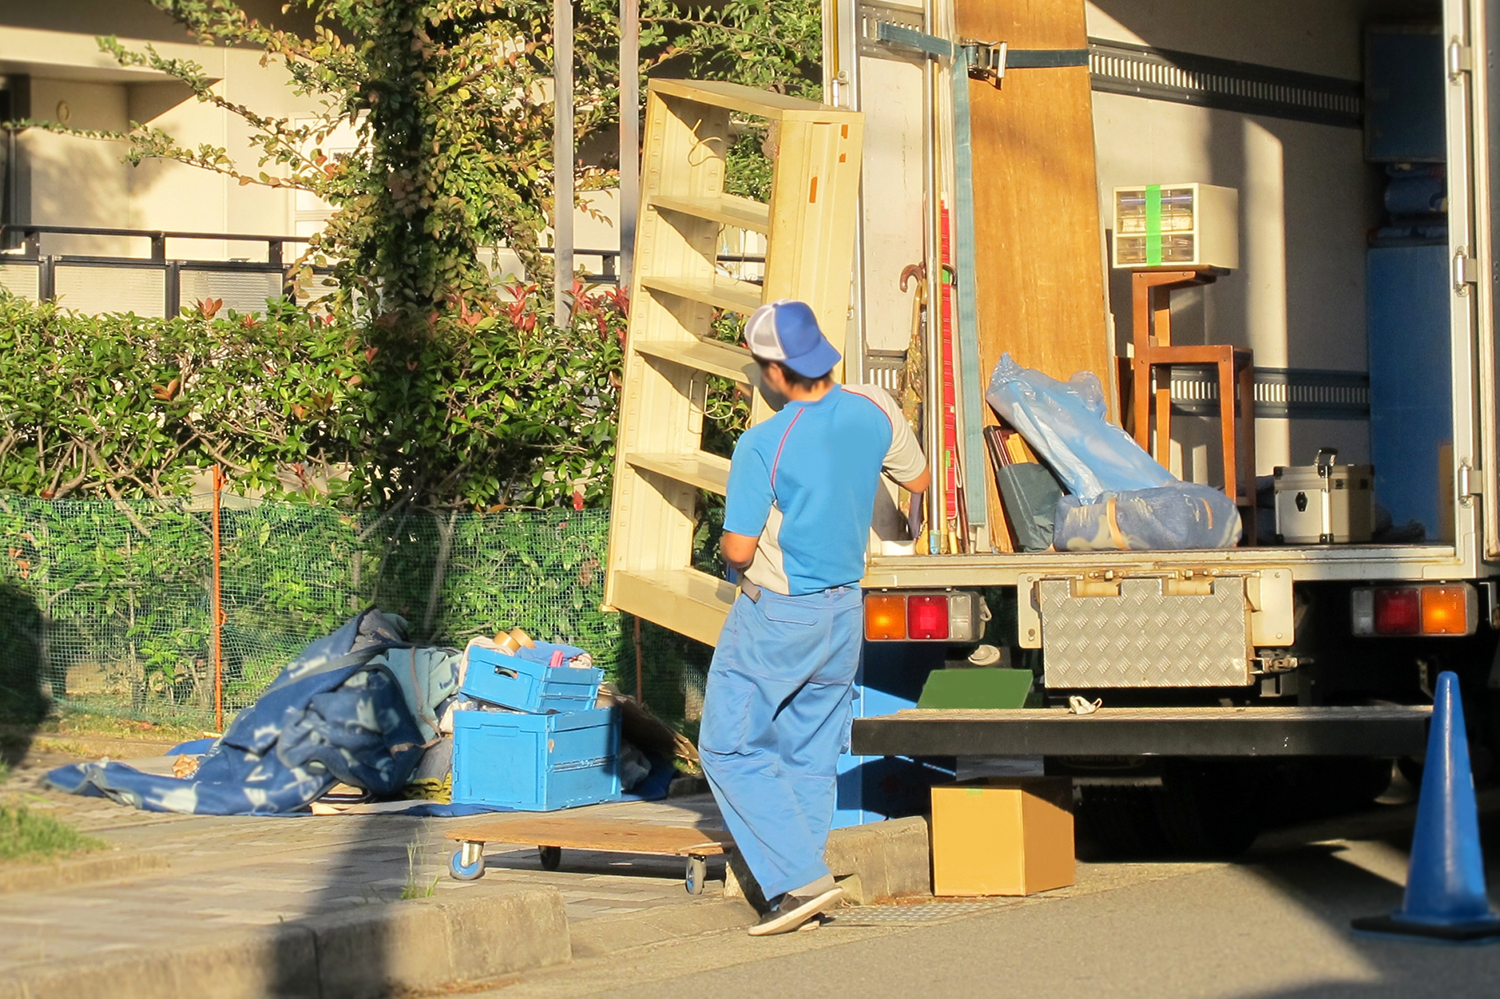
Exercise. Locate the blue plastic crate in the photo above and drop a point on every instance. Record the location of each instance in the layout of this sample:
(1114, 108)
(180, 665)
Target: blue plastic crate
(524, 682)
(536, 763)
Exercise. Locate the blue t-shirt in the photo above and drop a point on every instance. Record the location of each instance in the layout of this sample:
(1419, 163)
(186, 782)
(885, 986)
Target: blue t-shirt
(805, 482)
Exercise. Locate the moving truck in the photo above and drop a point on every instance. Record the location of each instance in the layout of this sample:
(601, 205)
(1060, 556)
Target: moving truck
(1224, 675)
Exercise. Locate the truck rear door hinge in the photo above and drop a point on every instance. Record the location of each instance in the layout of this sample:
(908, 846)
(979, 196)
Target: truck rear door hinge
(1465, 271)
(1468, 483)
(1460, 59)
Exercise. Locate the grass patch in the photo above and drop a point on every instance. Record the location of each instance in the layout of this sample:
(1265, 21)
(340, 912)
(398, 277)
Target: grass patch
(71, 721)
(416, 886)
(26, 835)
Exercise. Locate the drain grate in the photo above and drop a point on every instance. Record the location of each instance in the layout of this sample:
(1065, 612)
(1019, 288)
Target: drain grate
(922, 912)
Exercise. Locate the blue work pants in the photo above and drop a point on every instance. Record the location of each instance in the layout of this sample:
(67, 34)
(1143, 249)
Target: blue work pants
(776, 716)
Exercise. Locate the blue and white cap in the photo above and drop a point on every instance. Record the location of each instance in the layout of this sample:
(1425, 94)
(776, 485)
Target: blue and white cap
(787, 331)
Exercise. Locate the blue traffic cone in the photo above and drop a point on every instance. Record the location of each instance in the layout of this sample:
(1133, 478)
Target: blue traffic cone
(1445, 891)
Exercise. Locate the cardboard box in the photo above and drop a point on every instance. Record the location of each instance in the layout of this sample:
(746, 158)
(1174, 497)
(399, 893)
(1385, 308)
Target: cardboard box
(1002, 836)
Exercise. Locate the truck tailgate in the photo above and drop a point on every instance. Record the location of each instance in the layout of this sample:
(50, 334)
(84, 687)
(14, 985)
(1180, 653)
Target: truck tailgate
(1392, 730)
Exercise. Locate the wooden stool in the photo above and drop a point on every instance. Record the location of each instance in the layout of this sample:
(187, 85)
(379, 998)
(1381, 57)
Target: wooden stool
(1156, 355)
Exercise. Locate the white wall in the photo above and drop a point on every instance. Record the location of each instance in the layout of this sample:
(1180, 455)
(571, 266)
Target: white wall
(74, 181)
(1306, 200)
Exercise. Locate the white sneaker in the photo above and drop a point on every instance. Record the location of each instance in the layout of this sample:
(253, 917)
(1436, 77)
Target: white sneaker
(792, 911)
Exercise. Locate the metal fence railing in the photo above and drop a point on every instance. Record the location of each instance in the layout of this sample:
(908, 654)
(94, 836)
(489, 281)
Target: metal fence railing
(161, 285)
(156, 284)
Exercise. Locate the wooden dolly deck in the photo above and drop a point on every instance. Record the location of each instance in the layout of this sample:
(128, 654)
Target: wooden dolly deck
(553, 834)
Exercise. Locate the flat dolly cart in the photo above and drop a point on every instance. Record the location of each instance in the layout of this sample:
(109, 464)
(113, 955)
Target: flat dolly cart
(552, 835)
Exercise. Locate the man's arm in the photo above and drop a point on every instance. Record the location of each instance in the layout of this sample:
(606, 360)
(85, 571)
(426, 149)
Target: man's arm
(739, 550)
(903, 460)
(920, 483)
(747, 504)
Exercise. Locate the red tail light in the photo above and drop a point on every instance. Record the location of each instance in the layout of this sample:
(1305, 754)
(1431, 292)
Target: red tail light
(927, 616)
(1398, 612)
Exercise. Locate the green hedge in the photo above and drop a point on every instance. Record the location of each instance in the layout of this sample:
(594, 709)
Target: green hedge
(472, 411)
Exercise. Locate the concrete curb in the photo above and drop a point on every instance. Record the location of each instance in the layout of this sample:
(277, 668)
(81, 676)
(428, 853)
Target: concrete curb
(364, 953)
(611, 934)
(65, 873)
(875, 863)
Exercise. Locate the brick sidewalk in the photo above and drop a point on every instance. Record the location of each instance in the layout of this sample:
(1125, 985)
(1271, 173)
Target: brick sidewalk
(229, 872)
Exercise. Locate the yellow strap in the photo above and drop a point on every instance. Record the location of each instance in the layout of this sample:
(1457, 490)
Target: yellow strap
(1113, 524)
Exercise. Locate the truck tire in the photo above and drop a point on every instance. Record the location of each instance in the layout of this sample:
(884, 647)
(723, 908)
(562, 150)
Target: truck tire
(1209, 809)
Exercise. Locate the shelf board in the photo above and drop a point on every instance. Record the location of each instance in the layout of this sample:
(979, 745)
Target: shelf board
(748, 100)
(704, 470)
(689, 602)
(725, 209)
(723, 359)
(720, 292)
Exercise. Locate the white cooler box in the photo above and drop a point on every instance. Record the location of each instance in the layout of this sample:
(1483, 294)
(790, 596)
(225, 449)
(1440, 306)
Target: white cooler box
(1325, 503)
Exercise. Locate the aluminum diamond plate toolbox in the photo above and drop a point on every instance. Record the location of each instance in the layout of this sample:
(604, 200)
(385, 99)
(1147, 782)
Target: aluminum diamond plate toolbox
(1146, 635)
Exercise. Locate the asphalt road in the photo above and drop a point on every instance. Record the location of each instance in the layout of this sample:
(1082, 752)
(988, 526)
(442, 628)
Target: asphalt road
(1273, 926)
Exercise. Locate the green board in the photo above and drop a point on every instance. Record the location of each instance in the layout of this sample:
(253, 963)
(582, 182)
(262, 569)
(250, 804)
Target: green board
(976, 688)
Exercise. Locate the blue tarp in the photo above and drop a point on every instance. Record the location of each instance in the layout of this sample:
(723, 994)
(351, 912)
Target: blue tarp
(330, 716)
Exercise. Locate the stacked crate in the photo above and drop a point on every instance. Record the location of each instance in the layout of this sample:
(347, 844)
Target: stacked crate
(550, 748)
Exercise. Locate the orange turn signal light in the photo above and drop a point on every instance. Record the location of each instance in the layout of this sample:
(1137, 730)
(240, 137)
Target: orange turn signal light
(1447, 610)
(885, 617)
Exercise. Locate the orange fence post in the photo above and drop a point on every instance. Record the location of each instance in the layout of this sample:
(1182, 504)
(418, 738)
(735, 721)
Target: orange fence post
(218, 612)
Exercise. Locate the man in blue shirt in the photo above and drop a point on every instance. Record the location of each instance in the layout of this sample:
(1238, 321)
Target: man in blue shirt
(777, 710)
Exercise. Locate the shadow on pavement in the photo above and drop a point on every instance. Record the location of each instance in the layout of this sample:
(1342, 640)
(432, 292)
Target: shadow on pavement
(1333, 883)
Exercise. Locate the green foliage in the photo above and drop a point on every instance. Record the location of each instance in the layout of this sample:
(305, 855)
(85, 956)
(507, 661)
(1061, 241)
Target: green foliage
(481, 409)
(747, 169)
(27, 835)
(125, 589)
(768, 44)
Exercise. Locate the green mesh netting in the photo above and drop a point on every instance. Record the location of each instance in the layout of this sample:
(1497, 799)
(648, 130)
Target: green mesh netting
(107, 606)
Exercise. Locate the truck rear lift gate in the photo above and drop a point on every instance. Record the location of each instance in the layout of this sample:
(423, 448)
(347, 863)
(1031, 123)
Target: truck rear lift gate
(1396, 730)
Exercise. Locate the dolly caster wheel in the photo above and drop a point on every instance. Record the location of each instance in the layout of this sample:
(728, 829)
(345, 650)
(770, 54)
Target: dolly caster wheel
(697, 874)
(473, 870)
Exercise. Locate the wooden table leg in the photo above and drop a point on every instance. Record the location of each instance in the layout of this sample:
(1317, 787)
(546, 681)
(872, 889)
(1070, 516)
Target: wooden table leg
(1228, 430)
(1246, 426)
(1162, 449)
(1140, 398)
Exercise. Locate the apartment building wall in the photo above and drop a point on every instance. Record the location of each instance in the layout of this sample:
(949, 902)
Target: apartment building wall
(50, 58)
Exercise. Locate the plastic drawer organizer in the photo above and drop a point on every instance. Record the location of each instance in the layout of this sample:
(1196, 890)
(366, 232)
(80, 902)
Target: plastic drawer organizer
(1176, 225)
(536, 763)
(524, 682)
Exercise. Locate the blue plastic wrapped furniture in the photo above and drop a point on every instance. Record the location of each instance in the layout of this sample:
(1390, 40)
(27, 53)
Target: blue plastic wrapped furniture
(1179, 517)
(524, 682)
(536, 763)
(1064, 423)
